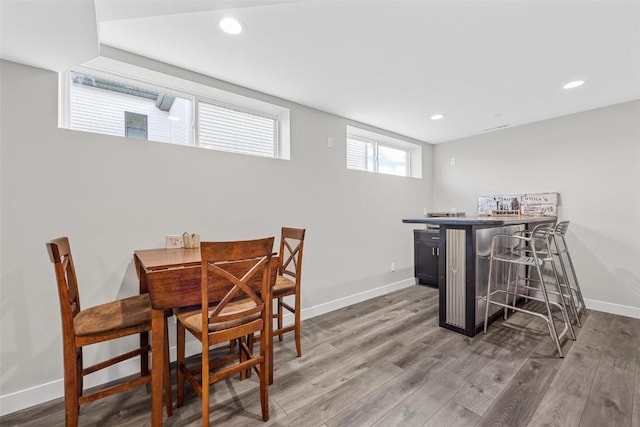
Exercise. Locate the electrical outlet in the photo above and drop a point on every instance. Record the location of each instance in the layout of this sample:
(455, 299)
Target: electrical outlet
(174, 241)
(393, 266)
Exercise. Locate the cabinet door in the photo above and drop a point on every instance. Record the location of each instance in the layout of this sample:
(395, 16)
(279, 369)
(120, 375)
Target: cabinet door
(426, 257)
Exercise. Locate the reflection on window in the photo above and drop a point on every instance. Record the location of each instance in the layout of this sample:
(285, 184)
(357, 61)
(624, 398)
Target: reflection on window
(105, 106)
(368, 151)
(392, 161)
(192, 114)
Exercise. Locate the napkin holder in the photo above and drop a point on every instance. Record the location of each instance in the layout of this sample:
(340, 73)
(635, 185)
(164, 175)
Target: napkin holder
(191, 241)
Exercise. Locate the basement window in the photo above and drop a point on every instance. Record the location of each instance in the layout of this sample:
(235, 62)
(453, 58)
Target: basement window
(187, 114)
(372, 152)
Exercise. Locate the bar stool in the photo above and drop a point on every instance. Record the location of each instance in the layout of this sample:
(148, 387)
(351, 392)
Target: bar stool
(566, 289)
(561, 250)
(533, 251)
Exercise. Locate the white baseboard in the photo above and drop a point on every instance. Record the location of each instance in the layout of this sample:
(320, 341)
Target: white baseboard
(30, 397)
(55, 389)
(608, 307)
(326, 307)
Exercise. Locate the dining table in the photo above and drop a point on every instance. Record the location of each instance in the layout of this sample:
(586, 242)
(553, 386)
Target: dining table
(181, 293)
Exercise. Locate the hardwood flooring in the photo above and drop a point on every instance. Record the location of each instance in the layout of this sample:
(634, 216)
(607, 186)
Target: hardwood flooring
(385, 362)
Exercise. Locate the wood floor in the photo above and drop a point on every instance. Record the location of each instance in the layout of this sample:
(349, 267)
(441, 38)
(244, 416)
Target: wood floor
(385, 362)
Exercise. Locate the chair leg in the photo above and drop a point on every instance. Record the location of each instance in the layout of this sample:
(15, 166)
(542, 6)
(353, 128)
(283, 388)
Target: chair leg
(488, 297)
(567, 283)
(242, 357)
(279, 313)
(575, 280)
(297, 326)
(79, 377)
(72, 387)
(144, 358)
(506, 294)
(179, 363)
(250, 342)
(168, 400)
(205, 385)
(515, 285)
(563, 305)
(264, 375)
(552, 327)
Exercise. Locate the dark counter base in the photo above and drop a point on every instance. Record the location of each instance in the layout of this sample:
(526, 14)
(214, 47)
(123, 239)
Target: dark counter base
(467, 288)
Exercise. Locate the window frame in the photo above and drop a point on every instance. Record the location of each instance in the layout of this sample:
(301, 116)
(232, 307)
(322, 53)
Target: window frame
(412, 150)
(182, 88)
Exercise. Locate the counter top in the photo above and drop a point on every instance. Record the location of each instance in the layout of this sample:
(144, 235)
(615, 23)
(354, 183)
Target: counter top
(480, 220)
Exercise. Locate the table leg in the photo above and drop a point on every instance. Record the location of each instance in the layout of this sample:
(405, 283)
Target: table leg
(157, 365)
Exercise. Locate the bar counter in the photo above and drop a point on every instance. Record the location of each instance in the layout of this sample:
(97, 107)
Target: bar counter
(463, 271)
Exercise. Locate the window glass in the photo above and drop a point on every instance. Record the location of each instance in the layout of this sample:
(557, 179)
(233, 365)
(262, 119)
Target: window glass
(190, 113)
(360, 154)
(393, 161)
(114, 108)
(371, 152)
(226, 129)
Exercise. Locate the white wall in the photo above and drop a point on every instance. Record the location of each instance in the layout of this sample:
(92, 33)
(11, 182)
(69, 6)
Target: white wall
(112, 195)
(593, 160)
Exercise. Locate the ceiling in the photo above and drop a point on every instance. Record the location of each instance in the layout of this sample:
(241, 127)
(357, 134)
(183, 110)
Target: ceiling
(391, 64)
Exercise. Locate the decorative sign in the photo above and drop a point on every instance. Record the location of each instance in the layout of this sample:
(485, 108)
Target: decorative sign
(533, 204)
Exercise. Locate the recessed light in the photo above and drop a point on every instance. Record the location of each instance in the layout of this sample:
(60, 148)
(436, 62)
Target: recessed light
(230, 26)
(438, 116)
(573, 84)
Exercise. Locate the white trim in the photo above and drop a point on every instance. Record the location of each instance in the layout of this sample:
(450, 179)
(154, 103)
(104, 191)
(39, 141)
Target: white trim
(31, 396)
(326, 307)
(609, 307)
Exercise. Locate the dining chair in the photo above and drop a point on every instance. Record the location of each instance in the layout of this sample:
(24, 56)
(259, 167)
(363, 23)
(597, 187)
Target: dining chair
(101, 323)
(288, 282)
(234, 305)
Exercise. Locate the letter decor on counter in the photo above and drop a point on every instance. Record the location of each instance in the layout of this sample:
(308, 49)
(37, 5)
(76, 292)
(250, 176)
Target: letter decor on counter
(531, 204)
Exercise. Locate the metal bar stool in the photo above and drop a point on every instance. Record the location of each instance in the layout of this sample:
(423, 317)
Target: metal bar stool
(560, 283)
(560, 249)
(570, 291)
(535, 256)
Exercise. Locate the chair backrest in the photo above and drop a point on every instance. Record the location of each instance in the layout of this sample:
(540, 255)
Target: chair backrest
(559, 233)
(291, 247)
(181, 286)
(541, 237)
(232, 271)
(60, 255)
(561, 228)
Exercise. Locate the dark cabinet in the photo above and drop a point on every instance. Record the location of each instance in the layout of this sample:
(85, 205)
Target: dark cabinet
(425, 252)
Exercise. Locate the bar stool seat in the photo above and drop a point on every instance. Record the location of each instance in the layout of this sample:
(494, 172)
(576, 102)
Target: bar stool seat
(531, 250)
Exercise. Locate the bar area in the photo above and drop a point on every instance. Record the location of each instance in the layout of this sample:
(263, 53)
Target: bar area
(463, 246)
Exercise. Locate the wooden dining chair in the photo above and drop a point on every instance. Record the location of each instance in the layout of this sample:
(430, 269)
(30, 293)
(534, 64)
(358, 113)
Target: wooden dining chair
(234, 305)
(288, 282)
(97, 324)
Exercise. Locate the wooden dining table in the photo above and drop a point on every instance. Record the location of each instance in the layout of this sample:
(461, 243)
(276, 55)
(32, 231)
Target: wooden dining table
(176, 295)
